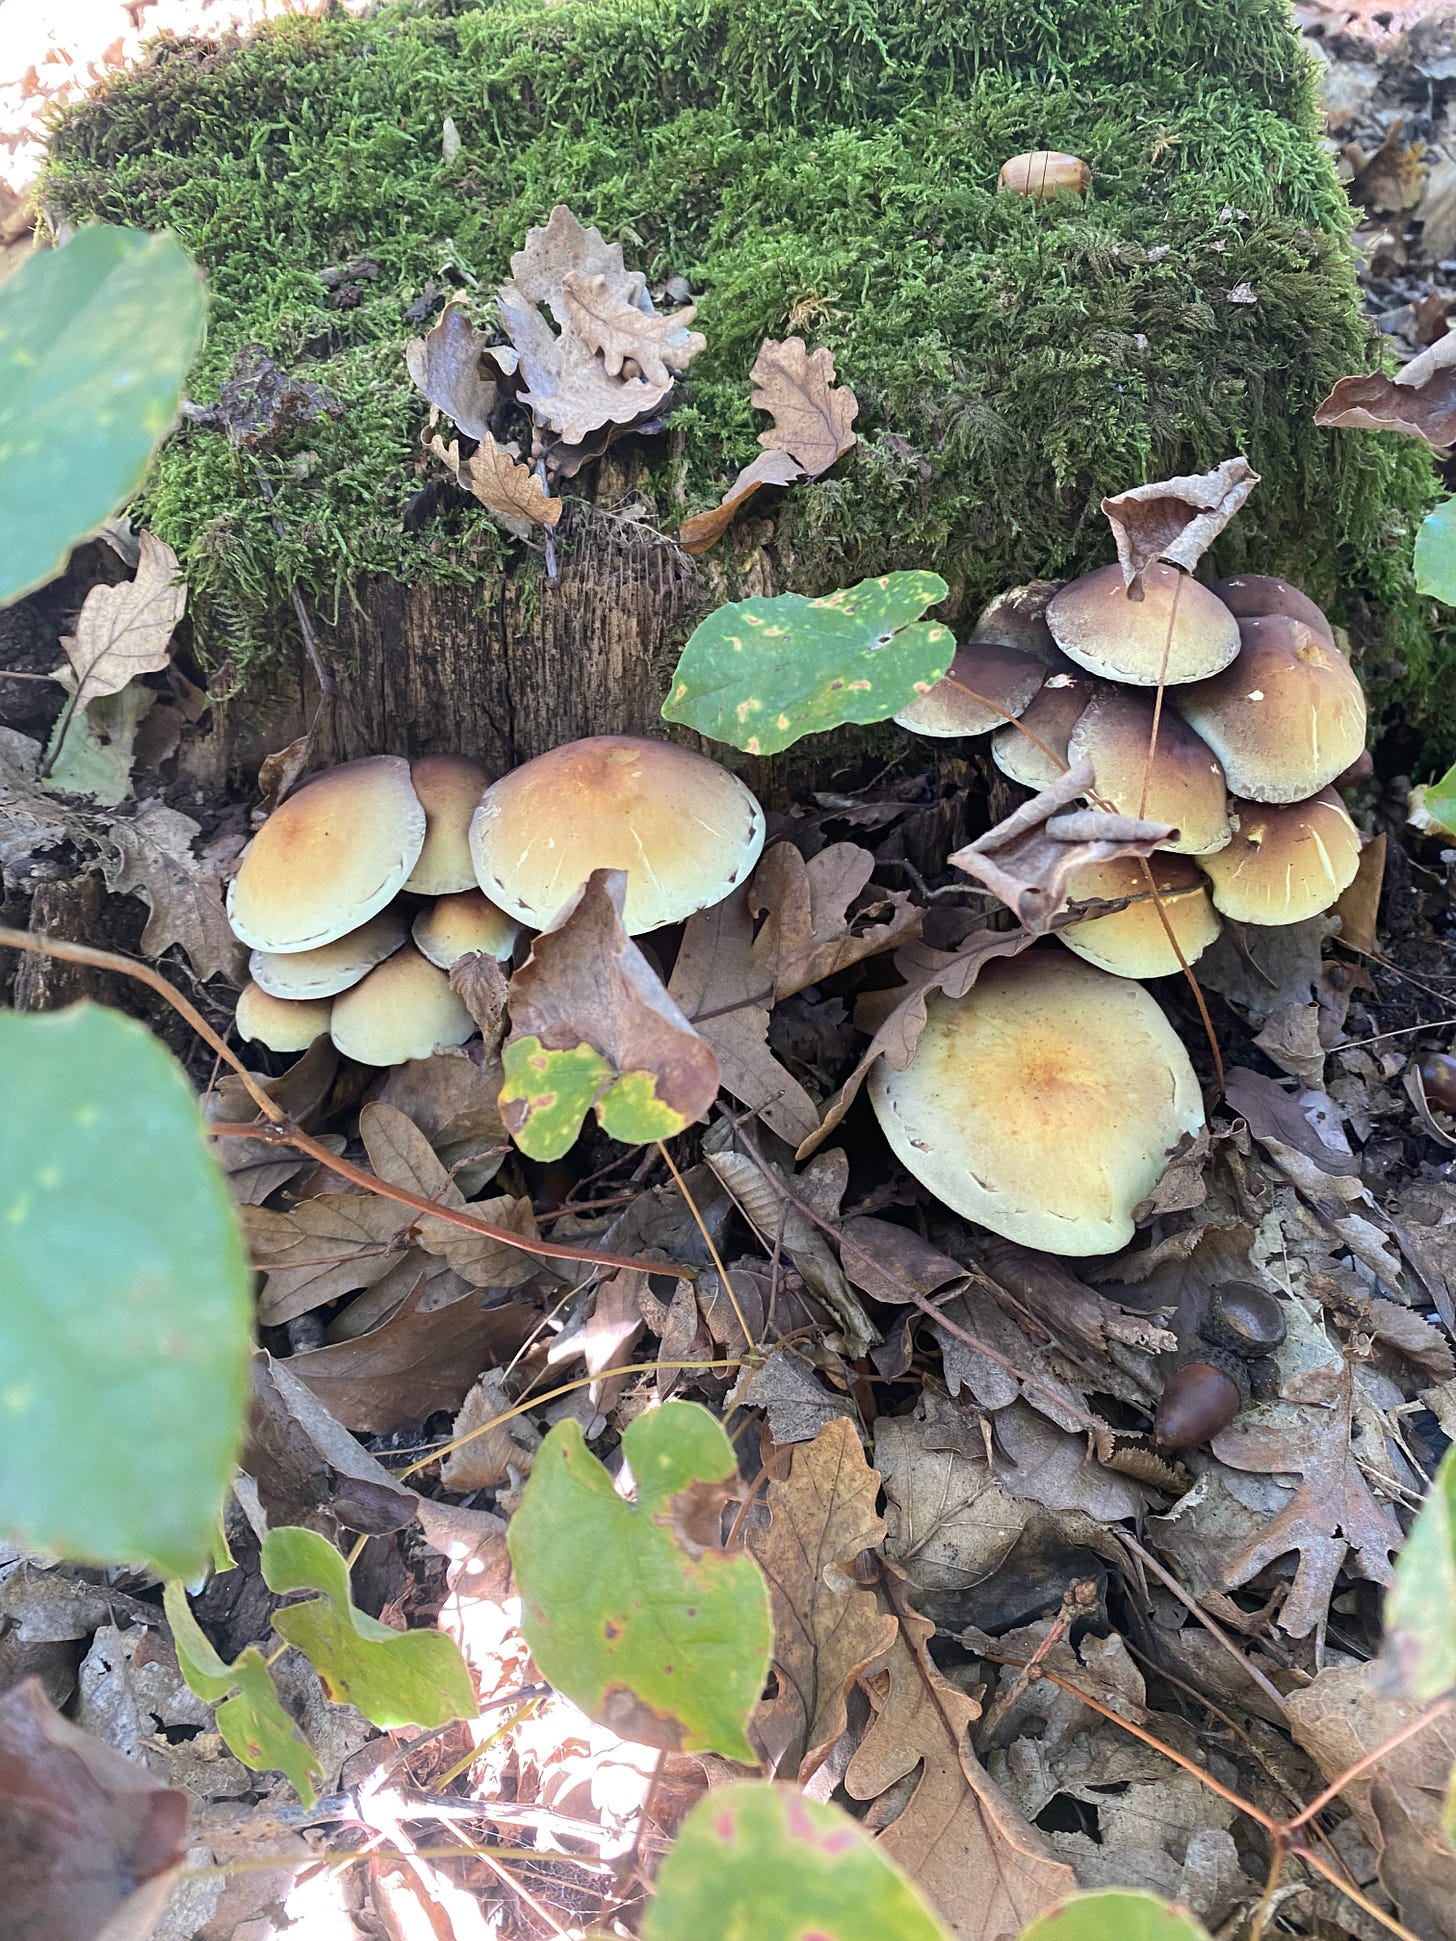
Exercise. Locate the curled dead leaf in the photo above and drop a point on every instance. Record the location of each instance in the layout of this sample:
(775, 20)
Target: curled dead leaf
(448, 365)
(1419, 400)
(1175, 519)
(126, 630)
(659, 346)
(705, 529)
(813, 416)
(503, 485)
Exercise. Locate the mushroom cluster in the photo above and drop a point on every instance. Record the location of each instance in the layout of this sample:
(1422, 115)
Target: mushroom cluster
(363, 890)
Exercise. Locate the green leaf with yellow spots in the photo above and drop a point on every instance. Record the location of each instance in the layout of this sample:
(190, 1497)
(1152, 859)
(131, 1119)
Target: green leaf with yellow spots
(761, 674)
(633, 1609)
(547, 1094)
(95, 341)
(125, 1298)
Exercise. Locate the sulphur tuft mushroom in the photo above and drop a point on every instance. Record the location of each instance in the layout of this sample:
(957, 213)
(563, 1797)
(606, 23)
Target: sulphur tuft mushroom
(280, 1023)
(1133, 941)
(1044, 1103)
(1178, 780)
(1032, 749)
(1253, 596)
(403, 1009)
(1177, 632)
(453, 927)
(1286, 862)
(685, 830)
(449, 788)
(985, 686)
(330, 968)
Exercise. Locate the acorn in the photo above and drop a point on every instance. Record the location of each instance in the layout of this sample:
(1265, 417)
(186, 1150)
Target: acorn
(1044, 173)
(1438, 1080)
(1245, 1319)
(1198, 1402)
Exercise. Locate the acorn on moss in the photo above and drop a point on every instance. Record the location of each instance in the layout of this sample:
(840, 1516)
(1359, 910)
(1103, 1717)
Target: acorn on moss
(1043, 173)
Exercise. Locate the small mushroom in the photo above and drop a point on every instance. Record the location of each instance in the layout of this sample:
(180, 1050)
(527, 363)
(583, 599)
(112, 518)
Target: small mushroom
(1252, 596)
(985, 684)
(453, 926)
(1132, 942)
(1050, 718)
(403, 1009)
(1198, 1402)
(450, 788)
(332, 967)
(328, 858)
(1043, 1103)
(1184, 782)
(1045, 172)
(1017, 618)
(280, 1023)
(685, 830)
(1286, 862)
(1178, 630)
(1286, 718)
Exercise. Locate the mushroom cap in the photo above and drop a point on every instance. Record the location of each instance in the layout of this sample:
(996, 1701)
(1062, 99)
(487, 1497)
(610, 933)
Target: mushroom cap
(328, 858)
(1044, 1103)
(684, 829)
(453, 926)
(450, 788)
(403, 1009)
(1286, 718)
(1098, 626)
(1017, 618)
(1185, 785)
(985, 683)
(280, 1023)
(1051, 716)
(332, 967)
(1250, 596)
(1132, 942)
(1287, 861)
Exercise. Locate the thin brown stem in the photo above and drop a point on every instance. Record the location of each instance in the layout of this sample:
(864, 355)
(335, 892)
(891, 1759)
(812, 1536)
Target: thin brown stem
(1195, 1610)
(1352, 1893)
(1187, 969)
(711, 1245)
(1010, 719)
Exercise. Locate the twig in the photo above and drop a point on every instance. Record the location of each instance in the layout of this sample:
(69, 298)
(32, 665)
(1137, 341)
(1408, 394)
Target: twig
(709, 1242)
(1077, 1600)
(1194, 1608)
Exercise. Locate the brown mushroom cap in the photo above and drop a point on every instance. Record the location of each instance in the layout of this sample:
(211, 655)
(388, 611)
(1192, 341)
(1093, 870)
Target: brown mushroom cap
(453, 926)
(1044, 1103)
(280, 1023)
(450, 788)
(1250, 596)
(332, 967)
(1051, 717)
(1185, 784)
(1286, 718)
(684, 829)
(403, 1009)
(1095, 623)
(1287, 861)
(1017, 618)
(985, 683)
(328, 858)
(1132, 942)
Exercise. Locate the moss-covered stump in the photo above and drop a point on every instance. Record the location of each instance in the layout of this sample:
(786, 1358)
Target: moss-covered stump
(821, 166)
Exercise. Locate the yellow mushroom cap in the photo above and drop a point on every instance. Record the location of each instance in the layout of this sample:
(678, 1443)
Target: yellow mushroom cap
(985, 683)
(453, 926)
(1095, 623)
(1185, 784)
(450, 788)
(1132, 942)
(332, 967)
(328, 858)
(1249, 596)
(1051, 717)
(403, 1009)
(684, 829)
(1044, 1103)
(280, 1023)
(1287, 861)
(1286, 718)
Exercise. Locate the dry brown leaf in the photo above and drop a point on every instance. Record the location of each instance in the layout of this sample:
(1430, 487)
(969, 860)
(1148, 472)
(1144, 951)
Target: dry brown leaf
(1027, 859)
(451, 1096)
(891, 1263)
(1359, 906)
(448, 366)
(501, 482)
(566, 386)
(154, 860)
(808, 933)
(813, 416)
(985, 1871)
(475, 1256)
(1332, 1517)
(1176, 519)
(417, 1362)
(280, 772)
(950, 1523)
(487, 1460)
(705, 529)
(126, 630)
(29, 821)
(322, 1248)
(307, 1467)
(402, 1156)
(561, 247)
(659, 346)
(826, 1630)
(480, 984)
(1419, 400)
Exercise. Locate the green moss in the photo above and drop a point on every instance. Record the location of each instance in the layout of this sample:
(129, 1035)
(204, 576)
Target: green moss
(826, 165)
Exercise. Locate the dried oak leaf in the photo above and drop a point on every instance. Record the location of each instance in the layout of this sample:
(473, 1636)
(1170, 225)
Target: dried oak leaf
(89, 1840)
(1332, 1515)
(813, 416)
(126, 630)
(826, 1630)
(562, 247)
(475, 1257)
(1175, 519)
(808, 933)
(703, 531)
(452, 1096)
(660, 346)
(984, 1870)
(1419, 400)
(1027, 859)
(323, 1248)
(501, 482)
(567, 387)
(481, 985)
(448, 366)
(154, 860)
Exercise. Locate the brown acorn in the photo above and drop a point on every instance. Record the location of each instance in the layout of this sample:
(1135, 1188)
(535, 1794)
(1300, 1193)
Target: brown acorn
(1199, 1400)
(1044, 173)
(1438, 1080)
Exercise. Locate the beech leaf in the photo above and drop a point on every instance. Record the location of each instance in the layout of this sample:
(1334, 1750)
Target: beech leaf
(126, 630)
(813, 416)
(501, 482)
(1176, 519)
(447, 365)
(1419, 400)
(658, 345)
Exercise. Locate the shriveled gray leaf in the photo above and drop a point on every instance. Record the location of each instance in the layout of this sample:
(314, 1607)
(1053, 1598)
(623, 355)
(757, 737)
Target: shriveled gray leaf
(154, 860)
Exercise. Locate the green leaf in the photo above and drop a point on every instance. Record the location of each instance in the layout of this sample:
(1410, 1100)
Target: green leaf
(95, 340)
(250, 1715)
(761, 674)
(556, 1090)
(763, 1861)
(1432, 806)
(1436, 553)
(632, 1112)
(1420, 1611)
(631, 1609)
(125, 1298)
(393, 1677)
(1116, 1914)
